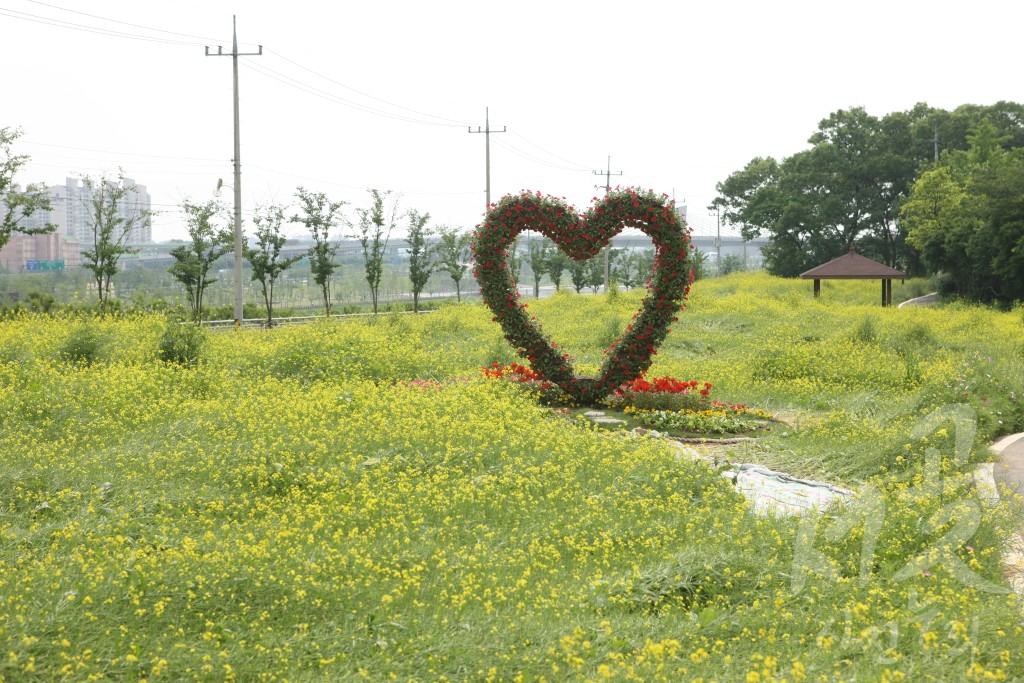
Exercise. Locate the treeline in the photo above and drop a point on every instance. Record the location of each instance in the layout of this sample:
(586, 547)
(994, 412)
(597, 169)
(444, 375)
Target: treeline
(210, 238)
(924, 190)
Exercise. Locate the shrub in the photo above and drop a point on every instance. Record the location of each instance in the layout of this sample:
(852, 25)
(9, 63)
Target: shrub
(181, 343)
(83, 346)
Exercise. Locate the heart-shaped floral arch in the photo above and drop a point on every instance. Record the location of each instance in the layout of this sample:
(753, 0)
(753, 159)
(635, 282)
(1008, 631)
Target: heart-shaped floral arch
(582, 238)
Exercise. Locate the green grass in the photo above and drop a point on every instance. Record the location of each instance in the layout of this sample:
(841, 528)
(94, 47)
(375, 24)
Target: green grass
(349, 501)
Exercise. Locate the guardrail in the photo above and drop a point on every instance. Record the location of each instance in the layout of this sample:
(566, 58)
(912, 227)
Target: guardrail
(299, 319)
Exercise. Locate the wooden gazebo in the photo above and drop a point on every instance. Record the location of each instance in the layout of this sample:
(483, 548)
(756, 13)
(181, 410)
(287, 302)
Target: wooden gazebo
(853, 266)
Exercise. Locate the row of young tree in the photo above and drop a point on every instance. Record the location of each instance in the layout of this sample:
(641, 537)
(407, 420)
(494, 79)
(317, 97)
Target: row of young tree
(210, 238)
(208, 241)
(628, 268)
(859, 183)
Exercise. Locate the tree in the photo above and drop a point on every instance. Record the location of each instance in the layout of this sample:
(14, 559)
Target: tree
(699, 259)
(112, 223)
(453, 255)
(936, 201)
(624, 271)
(579, 273)
(595, 272)
(515, 260)
(846, 188)
(645, 264)
(375, 226)
(556, 264)
(193, 261)
(18, 206)
(731, 263)
(265, 259)
(419, 254)
(967, 219)
(537, 255)
(319, 215)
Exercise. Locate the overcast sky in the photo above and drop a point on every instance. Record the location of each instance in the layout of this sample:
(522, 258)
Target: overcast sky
(353, 95)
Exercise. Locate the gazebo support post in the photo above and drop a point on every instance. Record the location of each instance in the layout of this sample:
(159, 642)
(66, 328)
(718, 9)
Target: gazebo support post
(817, 288)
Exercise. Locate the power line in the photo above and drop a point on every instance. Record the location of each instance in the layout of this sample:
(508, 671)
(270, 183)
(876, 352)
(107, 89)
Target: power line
(123, 23)
(330, 97)
(119, 153)
(549, 153)
(355, 187)
(364, 94)
(535, 159)
(287, 80)
(25, 16)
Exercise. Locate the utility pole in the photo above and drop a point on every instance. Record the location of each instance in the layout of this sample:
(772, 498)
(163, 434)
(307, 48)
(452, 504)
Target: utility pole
(607, 173)
(935, 141)
(235, 54)
(718, 239)
(487, 146)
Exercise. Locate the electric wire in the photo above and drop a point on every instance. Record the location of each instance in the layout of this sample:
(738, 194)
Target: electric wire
(550, 153)
(25, 16)
(535, 159)
(331, 97)
(119, 153)
(123, 23)
(364, 94)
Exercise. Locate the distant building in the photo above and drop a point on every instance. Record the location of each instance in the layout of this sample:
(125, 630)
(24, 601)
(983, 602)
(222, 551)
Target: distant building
(27, 253)
(71, 211)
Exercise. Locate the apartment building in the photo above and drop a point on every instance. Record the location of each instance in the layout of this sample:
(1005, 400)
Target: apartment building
(29, 253)
(71, 211)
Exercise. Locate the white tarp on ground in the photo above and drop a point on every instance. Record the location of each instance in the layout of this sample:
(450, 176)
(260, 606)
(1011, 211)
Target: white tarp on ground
(780, 493)
(768, 490)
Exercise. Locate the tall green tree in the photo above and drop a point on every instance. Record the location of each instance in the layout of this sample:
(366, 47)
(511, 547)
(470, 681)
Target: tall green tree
(624, 271)
(18, 206)
(537, 255)
(595, 272)
(645, 264)
(194, 260)
(845, 189)
(700, 264)
(320, 215)
(556, 264)
(420, 266)
(375, 226)
(731, 263)
(111, 225)
(453, 255)
(849, 186)
(265, 258)
(579, 274)
(966, 217)
(515, 260)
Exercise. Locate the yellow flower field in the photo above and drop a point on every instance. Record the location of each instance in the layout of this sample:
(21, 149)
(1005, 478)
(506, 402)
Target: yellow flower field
(349, 500)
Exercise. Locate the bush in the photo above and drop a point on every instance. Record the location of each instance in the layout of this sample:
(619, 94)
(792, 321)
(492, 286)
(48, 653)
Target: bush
(83, 346)
(181, 343)
(945, 284)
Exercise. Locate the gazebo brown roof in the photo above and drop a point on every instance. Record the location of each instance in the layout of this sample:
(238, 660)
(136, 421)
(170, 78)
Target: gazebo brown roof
(853, 266)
